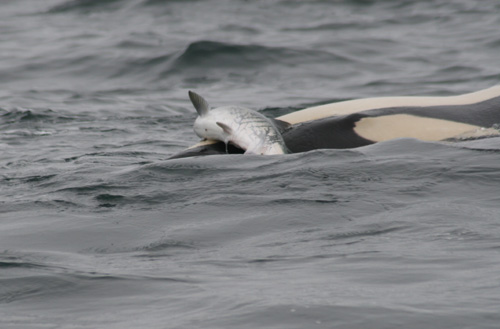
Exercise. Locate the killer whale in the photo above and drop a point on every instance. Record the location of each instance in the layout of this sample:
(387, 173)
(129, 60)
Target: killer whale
(360, 122)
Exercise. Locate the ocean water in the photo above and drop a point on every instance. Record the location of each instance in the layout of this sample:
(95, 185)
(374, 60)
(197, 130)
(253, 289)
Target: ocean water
(99, 229)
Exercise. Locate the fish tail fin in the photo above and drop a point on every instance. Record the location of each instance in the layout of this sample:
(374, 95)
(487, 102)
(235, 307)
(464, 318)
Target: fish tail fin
(199, 103)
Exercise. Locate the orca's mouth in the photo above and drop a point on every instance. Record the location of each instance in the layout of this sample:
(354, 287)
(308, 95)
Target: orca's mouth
(220, 148)
(209, 149)
(232, 149)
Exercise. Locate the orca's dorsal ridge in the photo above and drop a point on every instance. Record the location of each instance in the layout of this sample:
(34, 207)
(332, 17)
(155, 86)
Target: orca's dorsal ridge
(281, 125)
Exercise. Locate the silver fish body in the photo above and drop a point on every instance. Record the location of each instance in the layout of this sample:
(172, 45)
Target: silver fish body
(243, 127)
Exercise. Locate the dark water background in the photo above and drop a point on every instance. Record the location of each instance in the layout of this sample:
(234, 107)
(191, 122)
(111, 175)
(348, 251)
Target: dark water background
(98, 229)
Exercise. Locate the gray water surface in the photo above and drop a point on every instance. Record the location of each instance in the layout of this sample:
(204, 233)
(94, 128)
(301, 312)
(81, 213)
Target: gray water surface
(98, 229)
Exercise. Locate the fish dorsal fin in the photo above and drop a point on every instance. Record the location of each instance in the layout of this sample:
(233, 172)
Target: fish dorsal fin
(281, 125)
(228, 130)
(199, 103)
